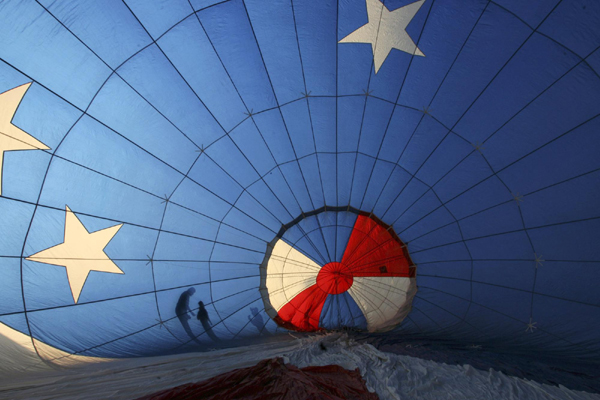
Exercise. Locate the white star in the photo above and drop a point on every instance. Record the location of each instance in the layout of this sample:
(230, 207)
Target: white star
(11, 137)
(80, 253)
(386, 30)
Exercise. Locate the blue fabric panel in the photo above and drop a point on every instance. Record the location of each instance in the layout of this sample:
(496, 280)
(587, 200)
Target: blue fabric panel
(377, 113)
(449, 153)
(345, 167)
(299, 239)
(531, 13)
(128, 315)
(410, 193)
(231, 159)
(345, 223)
(229, 29)
(328, 167)
(124, 111)
(395, 182)
(452, 270)
(426, 139)
(495, 39)
(376, 181)
(201, 4)
(566, 105)
(108, 154)
(76, 75)
(518, 274)
(486, 193)
(75, 186)
(275, 20)
(299, 126)
(215, 179)
(575, 283)
(12, 231)
(576, 145)
(264, 194)
(174, 248)
(496, 220)
(467, 174)
(403, 123)
(321, 110)
(187, 222)
(11, 296)
(149, 73)
(279, 185)
(519, 83)
(108, 28)
(437, 219)
(250, 141)
(416, 239)
(352, 109)
(236, 237)
(251, 216)
(187, 47)
(273, 130)
(316, 20)
(450, 252)
(508, 246)
(294, 178)
(310, 171)
(340, 310)
(451, 24)
(426, 204)
(539, 210)
(360, 179)
(159, 16)
(574, 24)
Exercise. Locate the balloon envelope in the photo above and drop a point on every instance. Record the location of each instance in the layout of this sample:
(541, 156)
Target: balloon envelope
(154, 153)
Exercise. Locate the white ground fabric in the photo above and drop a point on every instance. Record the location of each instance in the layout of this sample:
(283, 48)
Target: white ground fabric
(391, 376)
(396, 377)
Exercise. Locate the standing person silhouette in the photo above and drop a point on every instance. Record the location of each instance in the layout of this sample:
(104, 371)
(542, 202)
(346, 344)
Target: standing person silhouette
(257, 320)
(182, 309)
(206, 322)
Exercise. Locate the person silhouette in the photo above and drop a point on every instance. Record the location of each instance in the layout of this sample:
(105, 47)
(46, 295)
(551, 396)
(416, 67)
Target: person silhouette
(256, 319)
(182, 309)
(206, 322)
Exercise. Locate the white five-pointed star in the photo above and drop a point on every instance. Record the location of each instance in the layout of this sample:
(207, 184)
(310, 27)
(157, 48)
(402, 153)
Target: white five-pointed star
(80, 253)
(11, 137)
(386, 30)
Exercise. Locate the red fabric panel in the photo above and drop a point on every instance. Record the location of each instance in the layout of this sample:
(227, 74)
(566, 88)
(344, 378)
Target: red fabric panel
(373, 251)
(334, 278)
(274, 380)
(304, 310)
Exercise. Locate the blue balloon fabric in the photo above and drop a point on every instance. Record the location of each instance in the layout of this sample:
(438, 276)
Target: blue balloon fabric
(151, 150)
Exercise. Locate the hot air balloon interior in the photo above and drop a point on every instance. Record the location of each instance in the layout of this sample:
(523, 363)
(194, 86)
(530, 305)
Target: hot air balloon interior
(405, 188)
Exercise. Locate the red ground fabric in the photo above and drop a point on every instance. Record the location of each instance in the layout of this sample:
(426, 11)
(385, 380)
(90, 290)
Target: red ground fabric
(274, 380)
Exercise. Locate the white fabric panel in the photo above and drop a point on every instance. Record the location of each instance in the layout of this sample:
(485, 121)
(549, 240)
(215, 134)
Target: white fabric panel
(384, 301)
(288, 273)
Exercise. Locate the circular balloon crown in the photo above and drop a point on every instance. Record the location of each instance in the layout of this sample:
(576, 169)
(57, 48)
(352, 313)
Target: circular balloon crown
(337, 268)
